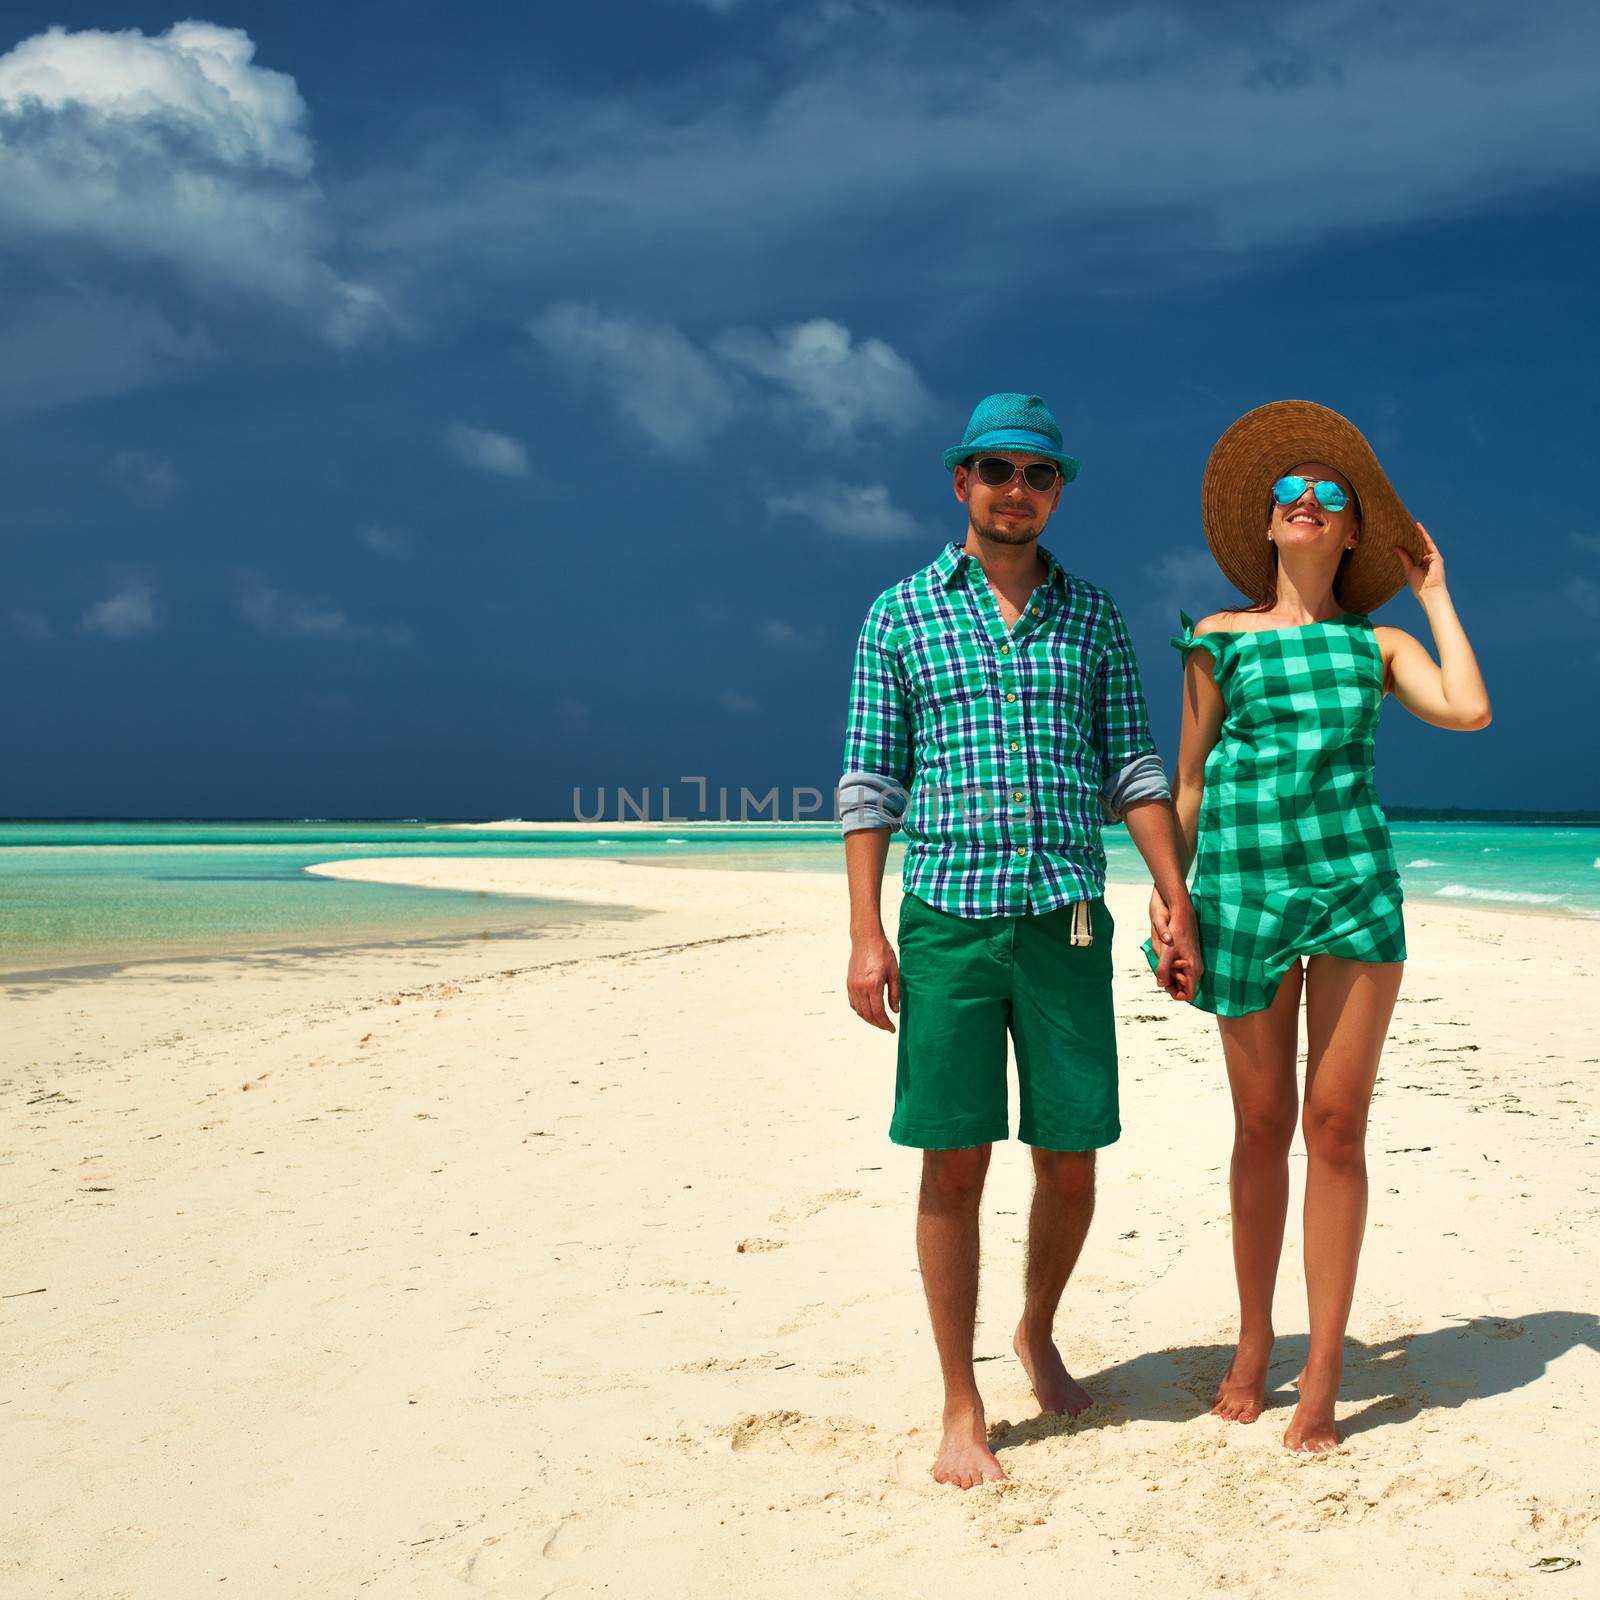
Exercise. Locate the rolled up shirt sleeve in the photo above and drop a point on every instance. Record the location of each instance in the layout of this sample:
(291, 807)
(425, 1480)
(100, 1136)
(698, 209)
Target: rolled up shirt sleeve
(874, 790)
(867, 800)
(1130, 768)
(1144, 778)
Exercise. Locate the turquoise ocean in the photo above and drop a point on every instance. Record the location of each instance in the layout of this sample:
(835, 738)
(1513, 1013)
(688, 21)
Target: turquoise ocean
(86, 895)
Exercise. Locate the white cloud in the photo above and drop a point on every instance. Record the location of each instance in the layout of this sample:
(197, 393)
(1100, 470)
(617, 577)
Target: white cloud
(847, 510)
(1185, 580)
(173, 148)
(357, 313)
(270, 611)
(679, 395)
(846, 149)
(1588, 543)
(144, 477)
(781, 635)
(126, 614)
(654, 376)
(195, 72)
(840, 386)
(57, 347)
(1183, 568)
(486, 451)
(386, 542)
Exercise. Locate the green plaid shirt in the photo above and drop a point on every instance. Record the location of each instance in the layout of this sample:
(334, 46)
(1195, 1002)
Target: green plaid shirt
(1004, 739)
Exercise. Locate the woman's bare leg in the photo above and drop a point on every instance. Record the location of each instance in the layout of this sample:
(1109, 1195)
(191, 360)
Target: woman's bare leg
(1348, 1006)
(1260, 1050)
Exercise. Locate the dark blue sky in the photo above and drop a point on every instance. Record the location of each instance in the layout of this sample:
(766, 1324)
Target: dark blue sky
(407, 412)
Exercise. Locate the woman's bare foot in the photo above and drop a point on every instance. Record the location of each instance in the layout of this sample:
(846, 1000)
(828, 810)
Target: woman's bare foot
(1311, 1429)
(1242, 1394)
(964, 1456)
(1053, 1386)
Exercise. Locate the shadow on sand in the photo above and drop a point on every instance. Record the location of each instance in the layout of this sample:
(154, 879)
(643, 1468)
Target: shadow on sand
(1398, 1378)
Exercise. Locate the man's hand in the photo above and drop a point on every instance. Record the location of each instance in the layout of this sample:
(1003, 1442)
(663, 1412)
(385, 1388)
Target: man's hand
(1159, 935)
(1176, 940)
(1153, 827)
(873, 971)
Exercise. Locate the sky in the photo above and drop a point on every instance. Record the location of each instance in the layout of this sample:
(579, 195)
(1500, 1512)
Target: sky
(412, 411)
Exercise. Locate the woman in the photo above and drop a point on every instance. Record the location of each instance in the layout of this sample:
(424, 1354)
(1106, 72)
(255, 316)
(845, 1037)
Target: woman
(1296, 890)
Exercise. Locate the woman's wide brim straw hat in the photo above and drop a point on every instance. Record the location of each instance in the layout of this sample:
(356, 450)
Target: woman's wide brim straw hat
(1236, 493)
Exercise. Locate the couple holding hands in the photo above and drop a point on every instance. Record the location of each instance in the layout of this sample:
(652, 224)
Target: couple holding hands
(996, 715)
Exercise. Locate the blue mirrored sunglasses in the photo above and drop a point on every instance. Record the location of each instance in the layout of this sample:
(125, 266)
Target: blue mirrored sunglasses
(1329, 495)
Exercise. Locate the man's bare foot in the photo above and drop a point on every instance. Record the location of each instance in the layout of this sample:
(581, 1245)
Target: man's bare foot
(1311, 1429)
(1053, 1386)
(964, 1456)
(1242, 1394)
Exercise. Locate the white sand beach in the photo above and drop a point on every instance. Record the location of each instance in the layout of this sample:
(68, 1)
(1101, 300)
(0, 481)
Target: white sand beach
(582, 1265)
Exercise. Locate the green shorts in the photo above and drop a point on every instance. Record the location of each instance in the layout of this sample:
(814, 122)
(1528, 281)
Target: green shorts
(964, 981)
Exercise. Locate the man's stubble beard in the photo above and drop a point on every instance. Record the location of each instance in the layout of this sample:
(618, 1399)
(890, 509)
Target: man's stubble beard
(1000, 533)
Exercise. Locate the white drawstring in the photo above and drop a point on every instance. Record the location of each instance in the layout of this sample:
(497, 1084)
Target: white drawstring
(1082, 931)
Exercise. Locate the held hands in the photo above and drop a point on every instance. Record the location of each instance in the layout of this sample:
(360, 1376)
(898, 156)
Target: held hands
(1174, 938)
(1429, 577)
(873, 971)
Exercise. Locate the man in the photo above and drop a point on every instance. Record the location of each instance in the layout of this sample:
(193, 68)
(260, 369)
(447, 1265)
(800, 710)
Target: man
(996, 711)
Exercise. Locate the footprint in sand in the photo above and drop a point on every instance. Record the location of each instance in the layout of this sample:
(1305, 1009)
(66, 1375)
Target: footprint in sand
(567, 1538)
(846, 1369)
(1548, 1523)
(755, 1247)
(819, 1311)
(809, 1208)
(1503, 1328)
(794, 1430)
(725, 1364)
(507, 1564)
(1018, 1527)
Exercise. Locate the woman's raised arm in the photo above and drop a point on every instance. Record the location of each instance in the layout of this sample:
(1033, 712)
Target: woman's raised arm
(1450, 693)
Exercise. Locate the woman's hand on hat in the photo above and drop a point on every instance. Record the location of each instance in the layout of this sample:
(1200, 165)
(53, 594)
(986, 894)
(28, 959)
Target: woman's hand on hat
(1428, 577)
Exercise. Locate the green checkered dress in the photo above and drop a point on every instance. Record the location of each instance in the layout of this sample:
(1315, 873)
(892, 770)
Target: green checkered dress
(1293, 856)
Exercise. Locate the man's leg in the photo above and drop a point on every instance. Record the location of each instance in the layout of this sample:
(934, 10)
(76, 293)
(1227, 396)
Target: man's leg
(1064, 1029)
(950, 1103)
(1063, 1206)
(947, 1250)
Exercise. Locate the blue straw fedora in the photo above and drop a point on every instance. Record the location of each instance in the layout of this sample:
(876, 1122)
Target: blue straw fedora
(1016, 422)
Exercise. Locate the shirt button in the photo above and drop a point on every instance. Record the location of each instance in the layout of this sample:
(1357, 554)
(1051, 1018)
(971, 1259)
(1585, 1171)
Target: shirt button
(1016, 794)
(1015, 745)
(1022, 849)
(1036, 611)
(1011, 696)
(1005, 649)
